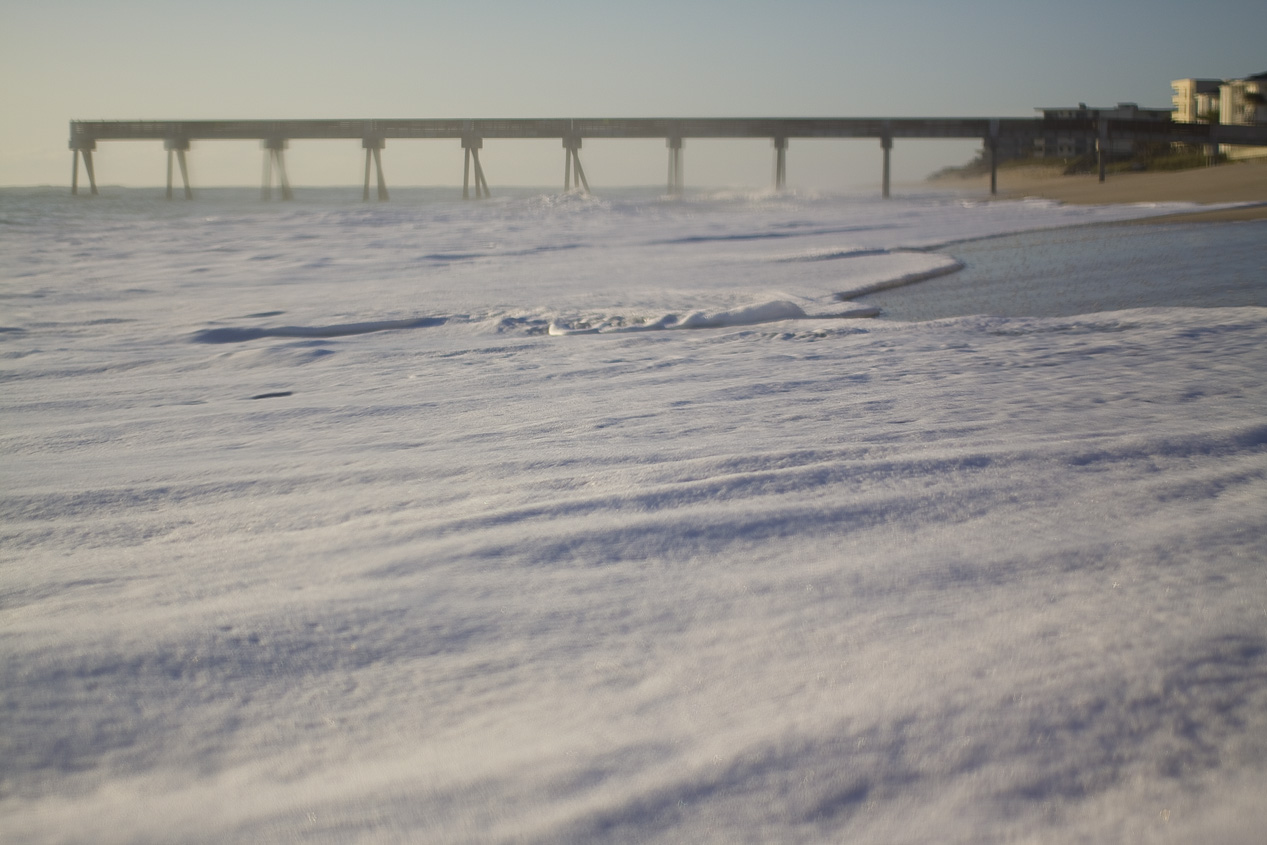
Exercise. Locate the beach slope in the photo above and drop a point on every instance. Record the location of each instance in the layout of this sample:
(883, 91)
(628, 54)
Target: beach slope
(1236, 182)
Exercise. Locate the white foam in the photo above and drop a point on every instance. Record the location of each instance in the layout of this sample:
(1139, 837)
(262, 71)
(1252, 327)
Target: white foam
(380, 558)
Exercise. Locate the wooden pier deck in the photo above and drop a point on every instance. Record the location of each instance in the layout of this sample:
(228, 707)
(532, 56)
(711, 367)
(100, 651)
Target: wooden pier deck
(275, 135)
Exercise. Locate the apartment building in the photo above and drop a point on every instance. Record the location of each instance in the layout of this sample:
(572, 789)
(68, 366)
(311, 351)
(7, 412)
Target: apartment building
(1244, 101)
(1241, 102)
(1195, 100)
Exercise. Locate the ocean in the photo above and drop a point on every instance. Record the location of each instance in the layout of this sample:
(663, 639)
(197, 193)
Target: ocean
(739, 517)
(1086, 269)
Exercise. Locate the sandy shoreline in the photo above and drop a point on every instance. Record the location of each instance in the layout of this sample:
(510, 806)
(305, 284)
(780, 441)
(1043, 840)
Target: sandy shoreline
(1241, 182)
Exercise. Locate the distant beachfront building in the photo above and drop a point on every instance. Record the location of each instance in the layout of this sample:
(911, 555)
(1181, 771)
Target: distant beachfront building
(1239, 102)
(1195, 100)
(1243, 101)
(1061, 145)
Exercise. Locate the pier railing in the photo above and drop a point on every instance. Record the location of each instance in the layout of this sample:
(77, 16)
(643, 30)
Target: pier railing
(275, 135)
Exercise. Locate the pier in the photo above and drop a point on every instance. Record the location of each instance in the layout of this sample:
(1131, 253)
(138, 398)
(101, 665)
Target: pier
(275, 135)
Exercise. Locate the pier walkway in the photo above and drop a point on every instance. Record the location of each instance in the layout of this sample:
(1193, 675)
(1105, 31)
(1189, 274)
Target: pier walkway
(275, 135)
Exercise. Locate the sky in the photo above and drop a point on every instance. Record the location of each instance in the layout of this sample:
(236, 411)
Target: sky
(143, 59)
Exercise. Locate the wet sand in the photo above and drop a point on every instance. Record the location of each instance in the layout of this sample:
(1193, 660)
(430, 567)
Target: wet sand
(1234, 182)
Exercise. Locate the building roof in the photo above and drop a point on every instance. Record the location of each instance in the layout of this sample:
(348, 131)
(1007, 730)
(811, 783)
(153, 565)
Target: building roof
(1085, 107)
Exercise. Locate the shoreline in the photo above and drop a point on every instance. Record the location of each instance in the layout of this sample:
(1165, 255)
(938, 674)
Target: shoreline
(1233, 182)
(1086, 269)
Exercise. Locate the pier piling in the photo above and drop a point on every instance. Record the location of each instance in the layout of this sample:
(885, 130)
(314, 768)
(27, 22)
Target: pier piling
(82, 148)
(886, 143)
(1102, 146)
(572, 165)
(178, 147)
(373, 152)
(472, 146)
(992, 149)
(780, 163)
(273, 154)
(676, 181)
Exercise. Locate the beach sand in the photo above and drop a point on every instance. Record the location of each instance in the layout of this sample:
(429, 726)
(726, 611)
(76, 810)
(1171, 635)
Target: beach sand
(1239, 182)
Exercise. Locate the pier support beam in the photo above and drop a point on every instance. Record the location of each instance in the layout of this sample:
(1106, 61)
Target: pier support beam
(572, 165)
(178, 146)
(992, 149)
(273, 149)
(472, 147)
(82, 148)
(676, 182)
(780, 163)
(373, 151)
(1102, 145)
(886, 143)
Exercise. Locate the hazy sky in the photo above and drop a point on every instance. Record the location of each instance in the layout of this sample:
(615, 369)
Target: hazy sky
(171, 59)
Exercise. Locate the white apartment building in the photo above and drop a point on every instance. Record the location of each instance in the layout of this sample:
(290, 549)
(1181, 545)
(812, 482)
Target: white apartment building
(1241, 102)
(1195, 100)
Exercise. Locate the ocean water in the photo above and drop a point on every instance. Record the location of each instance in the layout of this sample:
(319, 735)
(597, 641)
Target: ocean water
(1081, 270)
(616, 519)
